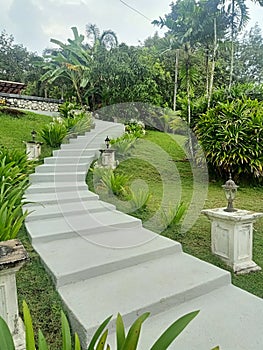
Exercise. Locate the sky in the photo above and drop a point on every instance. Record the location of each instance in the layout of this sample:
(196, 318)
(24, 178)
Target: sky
(34, 22)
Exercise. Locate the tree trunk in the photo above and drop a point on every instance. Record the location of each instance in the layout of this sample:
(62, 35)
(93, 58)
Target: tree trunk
(176, 78)
(77, 91)
(232, 46)
(213, 66)
(207, 69)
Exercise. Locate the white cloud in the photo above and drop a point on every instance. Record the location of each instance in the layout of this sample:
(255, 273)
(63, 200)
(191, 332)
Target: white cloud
(34, 22)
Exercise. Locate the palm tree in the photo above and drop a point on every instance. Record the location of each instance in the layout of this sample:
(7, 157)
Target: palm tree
(107, 39)
(239, 17)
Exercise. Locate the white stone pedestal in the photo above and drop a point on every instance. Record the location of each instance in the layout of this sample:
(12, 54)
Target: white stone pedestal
(232, 237)
(33, 149)
(108, 158)
(12, 258)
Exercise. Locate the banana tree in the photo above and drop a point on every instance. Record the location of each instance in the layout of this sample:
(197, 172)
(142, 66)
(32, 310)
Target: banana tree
(71, 61)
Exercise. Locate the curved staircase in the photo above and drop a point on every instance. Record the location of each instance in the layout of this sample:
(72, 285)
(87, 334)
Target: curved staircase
(103, 262)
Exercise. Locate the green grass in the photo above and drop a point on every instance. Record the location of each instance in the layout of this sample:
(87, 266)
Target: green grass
(17, 129)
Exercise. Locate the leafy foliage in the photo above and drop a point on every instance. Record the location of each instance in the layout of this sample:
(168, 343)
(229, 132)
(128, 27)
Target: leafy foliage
(173, 215)
(14, 168)
(115, 183)
(54, 133)
(138, 199)
(231, 136)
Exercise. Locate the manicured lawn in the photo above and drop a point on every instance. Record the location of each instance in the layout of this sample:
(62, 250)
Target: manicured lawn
(15, 130)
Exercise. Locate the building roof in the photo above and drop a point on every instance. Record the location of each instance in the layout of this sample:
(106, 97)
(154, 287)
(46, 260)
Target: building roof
(11, 87)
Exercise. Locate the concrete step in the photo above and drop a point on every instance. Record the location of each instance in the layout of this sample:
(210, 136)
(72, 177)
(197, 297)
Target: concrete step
(60, 197)
(74, 259)
(58, 177)
(79, 225)
(76, 152)
(61, 168)
(89, 144)
(69, 160)
(40, 211)
(228, 317)
(154, 286)
(52, 187)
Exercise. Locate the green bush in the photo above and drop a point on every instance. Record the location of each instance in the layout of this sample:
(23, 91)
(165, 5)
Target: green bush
(231, 136)
(54, 133)
(135, 127)
(172, 216)
(66, 109)
(115, 183)
(138, 199)
(14, 169)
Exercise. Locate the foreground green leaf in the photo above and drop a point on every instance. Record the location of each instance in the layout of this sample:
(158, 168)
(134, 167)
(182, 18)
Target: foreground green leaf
(6, 342)
(173, 331)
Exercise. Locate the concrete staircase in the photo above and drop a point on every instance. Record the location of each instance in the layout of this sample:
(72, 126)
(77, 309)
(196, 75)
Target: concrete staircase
(103, 262)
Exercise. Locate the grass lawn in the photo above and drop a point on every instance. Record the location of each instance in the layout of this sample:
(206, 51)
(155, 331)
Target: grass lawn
(150, 168)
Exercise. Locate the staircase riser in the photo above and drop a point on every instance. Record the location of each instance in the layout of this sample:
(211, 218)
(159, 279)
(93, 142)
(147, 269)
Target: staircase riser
(60, 214)
(111, 267)
(69, 160)
(85, 232)
(36, 178)
(65, 200)
(76, 152)
(61, 168)
(34, 190)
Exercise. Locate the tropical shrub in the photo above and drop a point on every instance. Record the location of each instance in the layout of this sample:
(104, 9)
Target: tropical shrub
(123, 144)
(99, 339)
(77, 122)
(138, 199)
(231, 136)
(173, 215)
(14, 169)
(135, 127)
(66, 109)
(115, 183)
(54, 133)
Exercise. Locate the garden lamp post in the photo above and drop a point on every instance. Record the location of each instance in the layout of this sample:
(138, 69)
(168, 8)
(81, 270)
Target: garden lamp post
(33, 133)
(230, 189)
(107, 142)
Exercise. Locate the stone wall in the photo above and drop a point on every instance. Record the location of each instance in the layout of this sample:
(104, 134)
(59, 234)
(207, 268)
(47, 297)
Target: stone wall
(30, 102)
